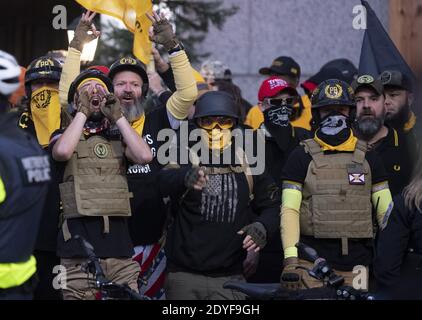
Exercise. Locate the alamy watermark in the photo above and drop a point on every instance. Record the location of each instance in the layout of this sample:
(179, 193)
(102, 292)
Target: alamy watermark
(60, 20)
(359, 21)
(60, 280)
(247, 147)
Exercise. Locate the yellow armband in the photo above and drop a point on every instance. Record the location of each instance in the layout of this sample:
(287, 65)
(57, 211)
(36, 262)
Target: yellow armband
(289, 219)
(381, 199)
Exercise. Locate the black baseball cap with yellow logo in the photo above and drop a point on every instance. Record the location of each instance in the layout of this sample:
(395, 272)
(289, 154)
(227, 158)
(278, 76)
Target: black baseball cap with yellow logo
(282, 66)
(368, 81)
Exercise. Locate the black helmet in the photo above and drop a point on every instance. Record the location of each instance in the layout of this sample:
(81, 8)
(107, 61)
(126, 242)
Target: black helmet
(215, 103)
(44, 67)
(130, 64)
(332, 92)
(90, 73)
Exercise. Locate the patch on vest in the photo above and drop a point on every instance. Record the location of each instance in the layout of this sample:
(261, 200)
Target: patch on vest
(100, 150)
(35, 170)
(356, 174)
(357, 178)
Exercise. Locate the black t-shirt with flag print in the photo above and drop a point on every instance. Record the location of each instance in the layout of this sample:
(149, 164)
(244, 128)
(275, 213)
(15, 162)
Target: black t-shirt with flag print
(360, 250)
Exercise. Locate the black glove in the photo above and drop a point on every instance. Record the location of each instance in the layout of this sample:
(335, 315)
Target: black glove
(192, 176)
(257, 232)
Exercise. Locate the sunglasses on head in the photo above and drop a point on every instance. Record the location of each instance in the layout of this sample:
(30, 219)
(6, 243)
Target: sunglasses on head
(209, 123)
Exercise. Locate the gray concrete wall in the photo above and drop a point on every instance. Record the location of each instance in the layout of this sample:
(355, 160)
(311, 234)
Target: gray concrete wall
(311, 31)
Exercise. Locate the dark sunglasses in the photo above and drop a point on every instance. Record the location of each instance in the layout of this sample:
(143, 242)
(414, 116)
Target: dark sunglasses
(281, 102)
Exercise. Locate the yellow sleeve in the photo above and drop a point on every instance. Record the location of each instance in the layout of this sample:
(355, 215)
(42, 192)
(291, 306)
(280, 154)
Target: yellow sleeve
(255, 117)
(381, 199)
(289, 219)
(2, 191)
(70, 71)
(186, 92)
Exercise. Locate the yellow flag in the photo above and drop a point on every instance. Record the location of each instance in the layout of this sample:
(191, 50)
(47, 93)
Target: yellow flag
(132, 14)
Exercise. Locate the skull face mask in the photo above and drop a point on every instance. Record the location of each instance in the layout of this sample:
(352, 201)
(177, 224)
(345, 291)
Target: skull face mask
(276, 122)
(279, 116)
(333, 124)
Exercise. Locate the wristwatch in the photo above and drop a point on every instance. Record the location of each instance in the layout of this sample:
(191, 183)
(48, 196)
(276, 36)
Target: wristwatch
(177, 48)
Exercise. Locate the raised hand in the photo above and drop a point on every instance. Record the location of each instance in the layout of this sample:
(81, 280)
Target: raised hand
(160, 65)
(85, 31)
(162, 31)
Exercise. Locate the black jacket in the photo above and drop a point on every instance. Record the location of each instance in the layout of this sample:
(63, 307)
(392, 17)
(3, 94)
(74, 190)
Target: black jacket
(49, 226)
(397, 151)
(399, 253)
(25, 175)
(203, 236)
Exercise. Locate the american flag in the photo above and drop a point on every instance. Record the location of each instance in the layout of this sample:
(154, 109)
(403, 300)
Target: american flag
(152, 260)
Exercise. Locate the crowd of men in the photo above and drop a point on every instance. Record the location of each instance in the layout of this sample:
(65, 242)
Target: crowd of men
(83, 159)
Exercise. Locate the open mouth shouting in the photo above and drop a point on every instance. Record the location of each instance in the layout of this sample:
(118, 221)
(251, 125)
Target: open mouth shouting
(95, 102)
(128, 99)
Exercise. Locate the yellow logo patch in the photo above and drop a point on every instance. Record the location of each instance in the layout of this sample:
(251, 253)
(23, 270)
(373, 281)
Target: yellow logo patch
(44, 63)
(127, 60)
(333, 92)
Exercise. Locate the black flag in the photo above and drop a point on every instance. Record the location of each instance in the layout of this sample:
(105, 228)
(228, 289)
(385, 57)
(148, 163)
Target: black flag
(378, 50)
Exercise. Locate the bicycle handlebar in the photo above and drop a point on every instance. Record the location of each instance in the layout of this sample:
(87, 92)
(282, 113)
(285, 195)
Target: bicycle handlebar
(310, 253)
(321, 271)
(93, 262)
(101, 282)
(274, 291)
